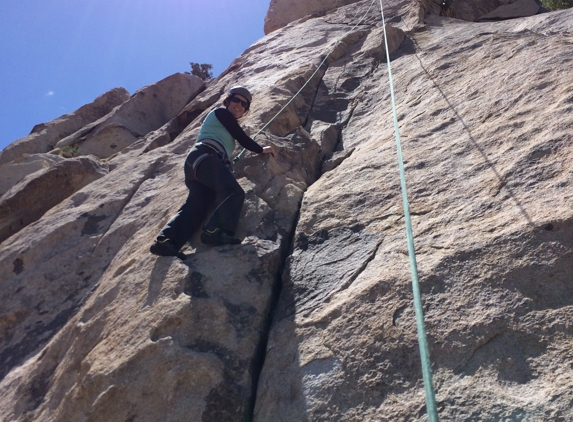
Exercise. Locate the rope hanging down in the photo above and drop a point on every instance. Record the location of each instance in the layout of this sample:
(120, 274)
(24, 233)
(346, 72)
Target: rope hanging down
(422, 341)
(238, 157)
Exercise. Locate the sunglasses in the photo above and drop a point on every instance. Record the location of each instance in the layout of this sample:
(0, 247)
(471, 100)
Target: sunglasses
(239, 101)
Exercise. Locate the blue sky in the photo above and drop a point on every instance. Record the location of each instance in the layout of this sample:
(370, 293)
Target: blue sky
(57, 55)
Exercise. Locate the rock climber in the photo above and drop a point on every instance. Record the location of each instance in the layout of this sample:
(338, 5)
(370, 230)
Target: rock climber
(210, 181)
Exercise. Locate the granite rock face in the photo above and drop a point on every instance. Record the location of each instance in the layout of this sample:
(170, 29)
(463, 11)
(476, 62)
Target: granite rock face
(311, 317)
(283, 12)
(492, 214)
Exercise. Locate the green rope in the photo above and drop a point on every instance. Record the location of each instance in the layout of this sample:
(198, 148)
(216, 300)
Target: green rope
(422, 341)
(238, 157)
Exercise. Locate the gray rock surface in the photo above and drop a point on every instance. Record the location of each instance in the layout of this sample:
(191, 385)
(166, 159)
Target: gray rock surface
(468, 10)
(94, 328)
(44, 136)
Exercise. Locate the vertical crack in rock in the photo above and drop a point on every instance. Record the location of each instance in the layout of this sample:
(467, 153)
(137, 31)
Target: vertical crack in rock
(261, 349)
(277, 288)
(346, 280)
(348, 277)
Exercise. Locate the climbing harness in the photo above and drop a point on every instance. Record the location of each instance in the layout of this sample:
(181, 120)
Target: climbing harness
(238, 157)
(213, 147)
(422, 341)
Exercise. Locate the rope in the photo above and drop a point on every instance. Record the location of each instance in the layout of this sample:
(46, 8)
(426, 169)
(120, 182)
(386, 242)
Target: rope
(238, 157)
(422, 341)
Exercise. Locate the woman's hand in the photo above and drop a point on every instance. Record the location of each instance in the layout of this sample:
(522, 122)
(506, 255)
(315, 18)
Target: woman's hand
(269, 150)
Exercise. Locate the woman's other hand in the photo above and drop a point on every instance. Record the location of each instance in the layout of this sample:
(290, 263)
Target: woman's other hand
(269, 150)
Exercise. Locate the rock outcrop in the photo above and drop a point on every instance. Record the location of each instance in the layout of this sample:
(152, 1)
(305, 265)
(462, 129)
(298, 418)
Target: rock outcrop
(42, 190)
(311, 317)
(147, 110)
(493, 223)
(45, 136)
(13, 172)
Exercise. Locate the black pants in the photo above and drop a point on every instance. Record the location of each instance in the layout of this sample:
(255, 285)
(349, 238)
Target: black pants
(210, 183)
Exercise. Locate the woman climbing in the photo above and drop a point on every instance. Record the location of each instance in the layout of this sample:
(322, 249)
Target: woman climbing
(209, 179)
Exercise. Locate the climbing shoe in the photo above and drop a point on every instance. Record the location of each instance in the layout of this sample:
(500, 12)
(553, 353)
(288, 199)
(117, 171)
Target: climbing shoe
(218, 237)
(166, 247)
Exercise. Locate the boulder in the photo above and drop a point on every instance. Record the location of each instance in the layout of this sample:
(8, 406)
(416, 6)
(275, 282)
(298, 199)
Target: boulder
(147, 110)
(11, 173)
(172, 129)
(45, 136)
(29, 200)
